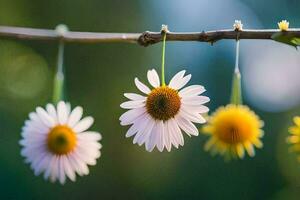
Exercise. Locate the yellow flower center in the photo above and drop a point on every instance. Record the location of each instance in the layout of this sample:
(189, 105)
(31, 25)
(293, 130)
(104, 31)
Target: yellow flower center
(61, 140)
(236, 124)
(163, 103)
(233, 132)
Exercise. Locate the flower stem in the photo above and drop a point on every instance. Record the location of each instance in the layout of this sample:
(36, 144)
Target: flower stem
(58, 88)
(236, 91)
(163, 59)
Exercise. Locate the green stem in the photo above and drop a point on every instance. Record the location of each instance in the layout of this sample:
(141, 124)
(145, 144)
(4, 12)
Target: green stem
(58, 88)
(236, 91)
(163, 59)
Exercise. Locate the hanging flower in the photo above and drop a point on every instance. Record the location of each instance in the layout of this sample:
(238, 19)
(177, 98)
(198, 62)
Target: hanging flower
(283, 25)
(294, 138)
(158, 118)
(232, 130)
(55, 141)
(238, 26)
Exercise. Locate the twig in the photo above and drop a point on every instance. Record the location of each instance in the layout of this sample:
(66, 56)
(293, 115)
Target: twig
(144, 39)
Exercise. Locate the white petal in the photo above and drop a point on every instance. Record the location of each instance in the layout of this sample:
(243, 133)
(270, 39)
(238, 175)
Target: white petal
(35, 164)
(68, 169)
(36, 122)
(187, 126)
(82, 168)
(75, 167)
(160, 139)
(92, 145)
(133, 104)
(193, 90)
(134, 97)
(33, 116)
(131, 115)
(197, 100)
(89, 136)
(132, 131)
(176, 79)
(68, 106)
(88, 152)
(33, 138)
(183, 82)
(146, 134)
(35, 126)
(172, 134)
(90, 148)
(45, 117)
(42, 164)
(75, 116)
(144, 126)
(52, 111)
(153, 78)
(49, 167)
(192, 116)
(167, 138)
(176, 132)
(33, 150)
(32, 131)
(62, 175)
(139, 124)
(141, 86)
(195, 108)
(54, 169)
(62, 112)
(83, 124)
(83, 155)
(151, 142)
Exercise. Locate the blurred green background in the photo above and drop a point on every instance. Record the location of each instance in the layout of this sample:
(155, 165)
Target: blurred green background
(98, 74)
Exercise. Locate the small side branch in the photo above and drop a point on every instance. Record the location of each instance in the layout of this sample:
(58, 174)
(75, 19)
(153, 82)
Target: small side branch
(144, 39)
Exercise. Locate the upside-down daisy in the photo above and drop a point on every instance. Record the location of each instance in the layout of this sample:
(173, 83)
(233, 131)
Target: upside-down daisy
(55, 141)
(159, 118)
(294, 138)
(233, 129)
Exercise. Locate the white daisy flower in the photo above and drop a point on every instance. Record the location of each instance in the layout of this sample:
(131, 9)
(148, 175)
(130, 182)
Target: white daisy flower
(55, 141)
(159, 118)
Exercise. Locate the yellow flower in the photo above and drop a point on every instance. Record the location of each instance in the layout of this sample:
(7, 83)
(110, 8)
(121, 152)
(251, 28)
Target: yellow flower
(283, 25)
(233, 129)
(294, 138)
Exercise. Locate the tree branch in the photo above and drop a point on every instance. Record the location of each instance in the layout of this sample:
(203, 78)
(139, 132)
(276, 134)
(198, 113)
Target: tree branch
(144, 39)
